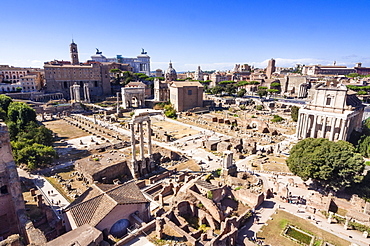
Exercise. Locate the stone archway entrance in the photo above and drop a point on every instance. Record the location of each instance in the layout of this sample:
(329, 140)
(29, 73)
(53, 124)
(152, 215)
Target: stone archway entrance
(133, 97)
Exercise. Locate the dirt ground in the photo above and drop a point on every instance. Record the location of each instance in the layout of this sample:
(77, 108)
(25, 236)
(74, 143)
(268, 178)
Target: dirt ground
(190, 164)
(64, 130)
(176, 130)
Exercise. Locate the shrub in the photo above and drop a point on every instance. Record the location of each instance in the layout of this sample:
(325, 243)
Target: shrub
(210, 195)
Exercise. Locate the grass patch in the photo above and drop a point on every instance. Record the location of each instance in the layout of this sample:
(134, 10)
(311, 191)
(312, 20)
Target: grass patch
(301, 237)
(272, 233)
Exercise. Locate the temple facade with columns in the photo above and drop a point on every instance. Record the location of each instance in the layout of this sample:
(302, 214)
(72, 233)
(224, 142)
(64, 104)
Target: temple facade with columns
(333, 113)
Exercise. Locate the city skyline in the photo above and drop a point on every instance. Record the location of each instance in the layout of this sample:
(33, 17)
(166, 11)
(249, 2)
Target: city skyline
(213, 34)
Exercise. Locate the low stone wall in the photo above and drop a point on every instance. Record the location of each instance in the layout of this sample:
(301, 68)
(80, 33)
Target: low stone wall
(247, 197)
(158, 177)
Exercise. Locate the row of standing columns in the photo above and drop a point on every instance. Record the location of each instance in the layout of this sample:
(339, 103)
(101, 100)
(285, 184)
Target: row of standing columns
(307, 126)
(141, 142)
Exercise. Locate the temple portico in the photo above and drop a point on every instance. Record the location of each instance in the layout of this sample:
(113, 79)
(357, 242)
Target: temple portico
(144, 165)
(333, 114)
(332, 126)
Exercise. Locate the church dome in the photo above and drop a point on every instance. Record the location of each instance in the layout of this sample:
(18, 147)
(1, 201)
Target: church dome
(171, 70)
(170, 74)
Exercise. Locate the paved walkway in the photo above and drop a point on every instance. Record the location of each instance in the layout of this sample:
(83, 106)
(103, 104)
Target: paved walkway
(51, 195)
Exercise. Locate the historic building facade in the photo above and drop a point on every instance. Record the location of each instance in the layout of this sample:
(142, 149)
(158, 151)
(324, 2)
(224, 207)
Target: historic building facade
(140, 64)
(333, 113)
(61, 75)
(185, 95)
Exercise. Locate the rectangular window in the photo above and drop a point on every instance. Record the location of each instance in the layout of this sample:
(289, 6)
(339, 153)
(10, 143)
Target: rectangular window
(328, 101)
(190, 92)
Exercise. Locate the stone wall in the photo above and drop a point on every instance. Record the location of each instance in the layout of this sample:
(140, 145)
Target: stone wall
(245, 196)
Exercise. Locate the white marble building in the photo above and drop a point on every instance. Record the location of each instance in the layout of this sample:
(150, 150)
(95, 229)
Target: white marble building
(140, 64)
(333, 113)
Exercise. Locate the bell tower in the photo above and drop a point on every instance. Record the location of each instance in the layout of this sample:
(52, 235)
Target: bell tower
(74, 53)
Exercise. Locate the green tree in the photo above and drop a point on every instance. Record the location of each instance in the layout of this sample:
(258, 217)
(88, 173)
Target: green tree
(241, 93)
(217, 90)
(363, 146)
(117, 72)
(5, 102)
(170, 111)
(333, 165)
(275, 84)
(35, 156)
(294, 113)
(21, 114)
(277, 118)
(230, 89)
(361, 92)
(262, 93)
(273, 91)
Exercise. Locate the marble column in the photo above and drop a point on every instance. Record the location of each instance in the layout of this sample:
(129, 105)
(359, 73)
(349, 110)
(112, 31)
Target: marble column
(149, 139)
(323, 134)
(71, 92)
(133, 142)
(314, 124)
(141, 132)
(306, 125)
(343, 124)
(333, 122)
(299, 126)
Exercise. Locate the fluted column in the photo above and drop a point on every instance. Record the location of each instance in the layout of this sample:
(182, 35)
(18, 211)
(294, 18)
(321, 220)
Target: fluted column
(149, 139)
(306, 123)
(323, 134)
(342, 128)
(133, 141)
(313, 130)
(333, 122)
(141, 132)
(299, 125)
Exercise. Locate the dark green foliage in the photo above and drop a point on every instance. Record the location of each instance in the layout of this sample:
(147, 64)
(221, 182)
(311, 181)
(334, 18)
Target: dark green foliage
(275, 84)
(241, 83)
(21, 114)
(262, 93)
(225, 82)
(273, 91)
(170, 111)
(5, 102)
(35, 155)
(363, 144)
(277, 118)
(230, 89)
(241, 93)
(333, 165)
(294, 113)
(217, 90)
(31, 143)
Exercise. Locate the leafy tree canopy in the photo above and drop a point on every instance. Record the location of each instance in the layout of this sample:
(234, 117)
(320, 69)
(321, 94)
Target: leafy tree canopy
(262, 93)
(241, 93)
(21, 114)
(5, 102)
(294, 113)
(275, 84)
(333, 165)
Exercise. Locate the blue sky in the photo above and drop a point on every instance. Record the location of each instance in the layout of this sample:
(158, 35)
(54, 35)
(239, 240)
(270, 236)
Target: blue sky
(213, 34)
